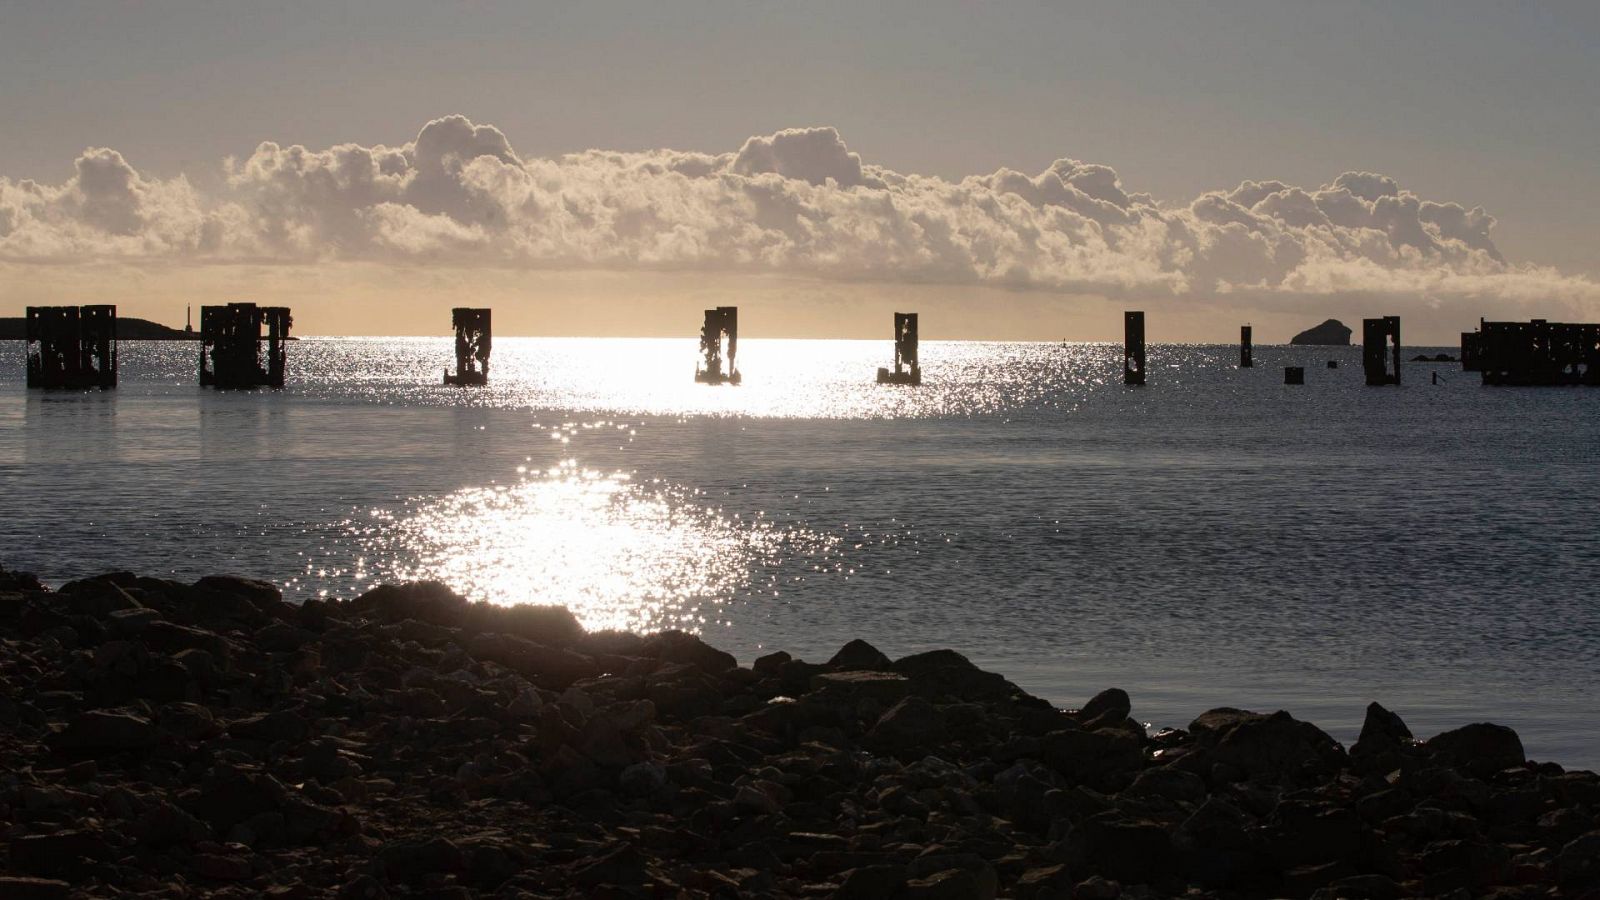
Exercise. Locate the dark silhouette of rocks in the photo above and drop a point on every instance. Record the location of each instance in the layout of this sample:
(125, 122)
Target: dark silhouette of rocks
(1330, 333)
(209, 739)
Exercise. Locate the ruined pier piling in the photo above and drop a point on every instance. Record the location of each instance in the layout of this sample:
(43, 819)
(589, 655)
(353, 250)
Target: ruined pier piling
(1380, 350)
(1246, 357)
(473, 343)
(72, 346)
(1536, 353)
(1133, 347)
(907, 370)
(719, 366)
(234, 352)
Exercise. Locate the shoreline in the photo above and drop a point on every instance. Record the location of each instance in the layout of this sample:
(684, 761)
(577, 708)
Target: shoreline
(170, 739)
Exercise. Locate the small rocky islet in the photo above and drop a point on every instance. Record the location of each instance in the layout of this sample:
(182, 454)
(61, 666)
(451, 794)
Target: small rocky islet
(163, 739)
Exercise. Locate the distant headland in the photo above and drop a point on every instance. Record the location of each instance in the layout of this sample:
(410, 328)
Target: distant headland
(1331, 332)
(15, 328)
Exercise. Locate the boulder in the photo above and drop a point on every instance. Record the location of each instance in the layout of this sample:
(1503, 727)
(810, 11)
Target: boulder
(910, 729)
(1382, 732)
(1480, 748)
(859, 654)
(106, 731)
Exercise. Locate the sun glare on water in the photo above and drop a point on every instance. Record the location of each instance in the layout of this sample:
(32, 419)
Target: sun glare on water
(619, 554)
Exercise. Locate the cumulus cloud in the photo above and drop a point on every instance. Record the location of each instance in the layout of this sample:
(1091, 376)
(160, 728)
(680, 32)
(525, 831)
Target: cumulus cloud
(795, 202)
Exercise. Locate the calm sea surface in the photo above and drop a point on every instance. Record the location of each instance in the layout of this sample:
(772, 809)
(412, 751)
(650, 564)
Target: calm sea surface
(1213, 538)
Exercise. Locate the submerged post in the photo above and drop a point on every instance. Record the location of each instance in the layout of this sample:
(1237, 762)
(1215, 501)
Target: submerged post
(473, 343)
(1294, 375)
(1133, 347)
(71, 346)
(231, 351)
(906, 368)
(1245, 361)
(720, 324)
(1380, 350)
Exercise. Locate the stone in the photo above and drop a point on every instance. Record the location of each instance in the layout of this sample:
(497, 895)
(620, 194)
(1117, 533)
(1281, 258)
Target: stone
(283, 725)
(953, 884)
(859, 654)
(853, 686)
(1126, 849)
(1481, 748)
(1087, 755)
(1045, 883)
(18, 887)
(623, 867)
(907, 729)
(1111, 702)
(223, 867)
(642, 779)
(60, 853)
(1277, 746)
(770, 665)
(871, 882)
(105, 731)
(1381, 732)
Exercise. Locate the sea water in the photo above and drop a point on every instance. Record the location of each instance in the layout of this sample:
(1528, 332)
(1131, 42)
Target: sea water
(1212, 538)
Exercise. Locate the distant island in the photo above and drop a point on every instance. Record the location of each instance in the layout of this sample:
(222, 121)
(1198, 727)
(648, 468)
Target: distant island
(1331, 332)
(15, 328)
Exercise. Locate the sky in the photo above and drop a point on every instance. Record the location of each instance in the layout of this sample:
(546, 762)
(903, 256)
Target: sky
(1011, 170)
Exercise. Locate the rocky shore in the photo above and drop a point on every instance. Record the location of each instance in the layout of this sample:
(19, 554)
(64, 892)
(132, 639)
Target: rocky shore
(209, 739)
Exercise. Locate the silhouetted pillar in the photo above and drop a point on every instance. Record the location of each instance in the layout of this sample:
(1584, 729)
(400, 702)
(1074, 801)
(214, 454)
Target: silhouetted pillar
(1245, 360)
(71, 346)
(1380, 350)
(907, 370)
(1294, 375)
(231, 352)
(722, 322)
(1133, 348)
(474, 341)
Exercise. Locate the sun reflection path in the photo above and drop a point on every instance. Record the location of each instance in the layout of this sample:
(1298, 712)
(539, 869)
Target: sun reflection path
(619, 554)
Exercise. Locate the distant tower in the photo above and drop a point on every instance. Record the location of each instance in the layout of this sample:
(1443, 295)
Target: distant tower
(188, 319)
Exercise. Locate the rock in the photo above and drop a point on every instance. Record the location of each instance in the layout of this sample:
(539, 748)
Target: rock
(953, 884)
(854, 686)
(681, 647)
(859, 654)
(15, 887)
(1046, 883)
(283, 725)
(1276, 746)
(871, 883)
(946, 673)
(1126, 849)
(409, 861)
(623, 867)
(1331, 333)
(1112, 703)
(907, 730)
(1084, 756)
(61, 853)
(105, 731)
(1481, 748)
(770, 665)
(642, 779)
(1169, 784)
(1383, 734)
(1096, 887)
(223, 867)
(261, 593)
(1578, 863)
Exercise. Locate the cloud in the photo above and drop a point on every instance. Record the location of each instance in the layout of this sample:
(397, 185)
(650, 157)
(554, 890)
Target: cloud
(797, 202)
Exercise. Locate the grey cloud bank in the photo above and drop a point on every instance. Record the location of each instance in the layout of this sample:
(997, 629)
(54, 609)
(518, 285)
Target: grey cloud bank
(796, 202)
